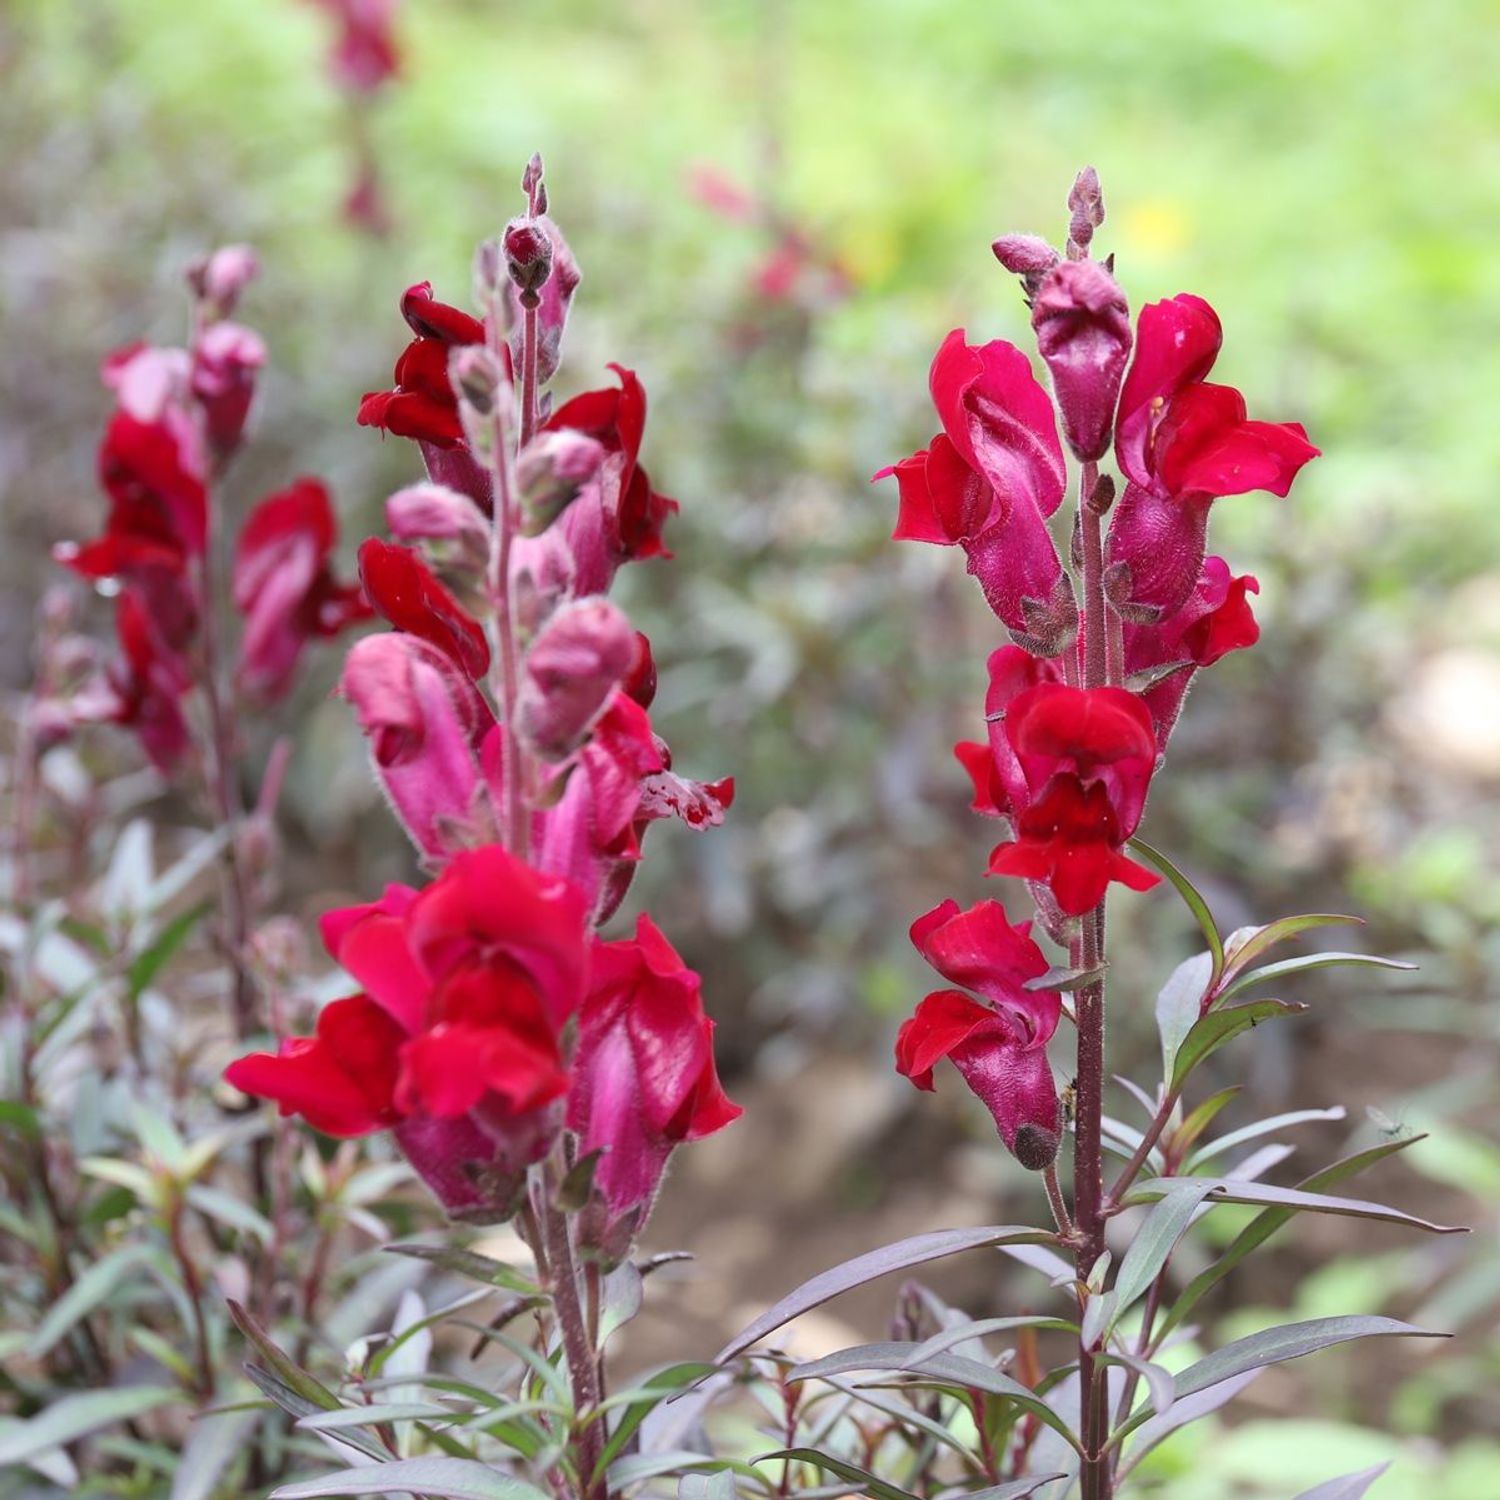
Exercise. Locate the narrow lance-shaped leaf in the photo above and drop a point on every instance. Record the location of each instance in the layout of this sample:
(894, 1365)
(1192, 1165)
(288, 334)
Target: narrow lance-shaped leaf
(1244, 946)
(1180, 1004)
(916, 1251)
(1272, 1347)
(1264, 1225)
(445, 1478)
(868, 1483)
(1191, 896)
(949, 1370)
(1309, 961)
(1346, 1486)
(76, 1416)
(1220, 1026)
(1261, 1127)
(93, 1287)
(1157, 1238)
(1233, 1190)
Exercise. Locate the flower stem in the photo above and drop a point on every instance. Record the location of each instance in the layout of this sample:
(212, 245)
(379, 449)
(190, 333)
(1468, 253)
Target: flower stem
(1087, 952)
(578, 1350)
(507, 655)
(528, 373)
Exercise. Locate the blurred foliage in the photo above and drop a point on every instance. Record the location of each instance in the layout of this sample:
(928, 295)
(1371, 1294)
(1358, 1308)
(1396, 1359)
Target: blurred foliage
(1325, 175)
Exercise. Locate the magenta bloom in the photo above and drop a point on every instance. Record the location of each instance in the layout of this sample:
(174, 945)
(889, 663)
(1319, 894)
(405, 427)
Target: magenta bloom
(988, 482)
(1000, 1046)
(426, 723)
(1084, 757)
(456, 1044)
(644, 1077)
(1183, 443)
(1215, 619)
(285, 588)
(226, 361)
(1082, 327)
(363, 55)
(405, 592)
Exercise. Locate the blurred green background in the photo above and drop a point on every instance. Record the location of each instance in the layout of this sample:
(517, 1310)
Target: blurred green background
(1327, 175)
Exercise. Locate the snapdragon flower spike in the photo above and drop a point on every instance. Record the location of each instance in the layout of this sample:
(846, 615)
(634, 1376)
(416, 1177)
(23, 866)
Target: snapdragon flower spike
(423, 406)
(1183, 443)
(988, 482)
(644, 1079)
(1215, 620)
(285, 588)
(456, 1043)
(425, 722)
(1000, 1047)
(1086, 756)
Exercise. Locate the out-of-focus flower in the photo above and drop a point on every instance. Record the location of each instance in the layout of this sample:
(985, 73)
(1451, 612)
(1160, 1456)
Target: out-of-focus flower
(1000, 1047)
(364, 54)
(285, 588)
(226, 361)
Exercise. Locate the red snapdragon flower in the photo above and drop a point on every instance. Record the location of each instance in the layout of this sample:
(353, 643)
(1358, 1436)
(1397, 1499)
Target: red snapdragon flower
(148, 684)
(1085, 758)
(404, 591)
(619, 518)
(456, 1043)
(422, 406)
(988, 482)
(285, 588)
(426, 723)
(1183, 443)
(644, 1079)
(1000, 1047)
(1215, 619)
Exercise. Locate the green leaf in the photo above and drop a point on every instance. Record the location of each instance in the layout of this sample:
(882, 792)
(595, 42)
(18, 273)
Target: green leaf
(1015, 1489)
(1157, 1238)
(448, 1478)
(1200, 1118)
(470, 1263)
(1220, 1026)
(1347, 1486)
(1309, 961)
(1248, 943)
(21, 1118)
(1260, 1128)
(941, 1343)
(641, 1400)
(1195, 902)
(916, 1251)
(1264, 1225)
(93, 1287)
(1265, 1194)
(76, 1416)
(146, 965)
(623, 1294)
(949, 1370)
(1157, 1377)
(639, 1467)
(286, 1370)
(1180, 1004)
(217, 1439)
(228, 1209)
(867, 1482)
(370, 1416)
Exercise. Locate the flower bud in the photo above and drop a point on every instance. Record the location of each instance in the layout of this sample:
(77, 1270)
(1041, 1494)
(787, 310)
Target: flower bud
(551, 471)
(226, 358)
(528, 257)
(480, 382)
(582, 655)
(448, 523)
(1086, 204)
(217, 280)
(1082, 326)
